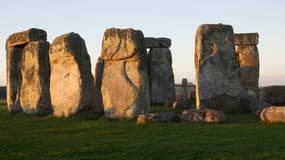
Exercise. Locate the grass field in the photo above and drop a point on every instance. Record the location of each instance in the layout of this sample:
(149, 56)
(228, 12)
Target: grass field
(241, 137)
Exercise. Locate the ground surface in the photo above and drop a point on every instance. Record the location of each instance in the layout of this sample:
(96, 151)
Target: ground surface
(241, 137)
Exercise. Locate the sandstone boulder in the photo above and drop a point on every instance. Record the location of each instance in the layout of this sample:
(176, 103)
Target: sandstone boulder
(273, 114)
(35, 72)
(14, 50)
(157, 42)
(158, 117)
(71, 82)
(249, 61)
(162, 87)
(273, 94)
(217, 68)
(202, 115)
(124, 88)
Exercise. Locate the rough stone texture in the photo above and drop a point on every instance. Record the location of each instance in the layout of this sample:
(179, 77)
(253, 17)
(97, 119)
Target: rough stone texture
(162, 87)
(98, 80)
(217, 68)
(157, 42)
(14, 49)
(202, 115)
(273, 114)
(273, 94)
(249, 61)
(35, 71)
(71, 81)
(158, 117)
(184, 89)
(246, 39)
(124, 88)
(22, 38)
(250, 103)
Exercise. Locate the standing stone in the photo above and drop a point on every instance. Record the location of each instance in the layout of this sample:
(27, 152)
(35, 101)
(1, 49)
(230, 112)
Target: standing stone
(217, 68)
(249, 61)
(184, 90)
(71, 82)
(162, 87)
(98, 80)
(35, 71)
(14, 50)
(125, 90)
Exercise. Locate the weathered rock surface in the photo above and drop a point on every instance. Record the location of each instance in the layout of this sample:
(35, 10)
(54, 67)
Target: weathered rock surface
(158, 117)
(273, 94)
(273, 114)
(98, 80)
(217, 68)
(71, 82)
(14, 50)
(250, 103)
(162, 87)
(35, 71)
(157, 42)
(249, 61)
(22, 38)
(124, 88)
(202, 115)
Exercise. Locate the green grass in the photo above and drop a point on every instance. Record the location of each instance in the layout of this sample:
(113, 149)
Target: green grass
(241, 137)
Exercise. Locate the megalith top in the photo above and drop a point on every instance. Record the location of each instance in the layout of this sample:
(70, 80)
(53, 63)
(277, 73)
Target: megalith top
(246, 38)
(119, 44)
(22, 38)
(151, 42)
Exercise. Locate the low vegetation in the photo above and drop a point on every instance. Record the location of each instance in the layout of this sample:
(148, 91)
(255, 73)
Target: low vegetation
(242, 136)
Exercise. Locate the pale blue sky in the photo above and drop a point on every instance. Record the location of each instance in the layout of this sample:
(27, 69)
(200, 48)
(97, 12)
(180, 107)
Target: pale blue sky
(177, 20)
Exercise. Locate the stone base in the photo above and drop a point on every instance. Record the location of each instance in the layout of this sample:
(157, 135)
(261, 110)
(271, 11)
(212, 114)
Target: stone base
(203, 115)
(273, 114)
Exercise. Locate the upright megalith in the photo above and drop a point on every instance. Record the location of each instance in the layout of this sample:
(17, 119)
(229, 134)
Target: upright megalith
(71, 82)
(28, 72)
(124, 87)
(161, 77)
(249, 61)
(217, 68)
(162, 87)
(35, 71)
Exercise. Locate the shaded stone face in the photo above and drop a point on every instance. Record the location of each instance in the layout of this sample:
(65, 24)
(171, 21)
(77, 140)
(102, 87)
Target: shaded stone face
(14, 50)
(71, 83)
(217, 67)
(35, 71)
(162, 87)
(273, 94)
(249, 61)
(157, 42)
(125, 81)
(184, 89)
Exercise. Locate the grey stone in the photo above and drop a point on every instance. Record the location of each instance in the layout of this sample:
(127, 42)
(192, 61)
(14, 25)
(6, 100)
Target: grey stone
(273, 94)
(202, 115)
(217, 68)
(35, 72)
(71, 82)
(162, 87)
(125, 85)
(157, 42)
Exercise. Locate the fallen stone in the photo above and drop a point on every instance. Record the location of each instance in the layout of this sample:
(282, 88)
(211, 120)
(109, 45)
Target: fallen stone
(202, 115)
(124, 88)
(35, 73)
(273, 94)
(71, 81)
(217, 68)
(162, 87)
(273, 114)
(158, 117)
